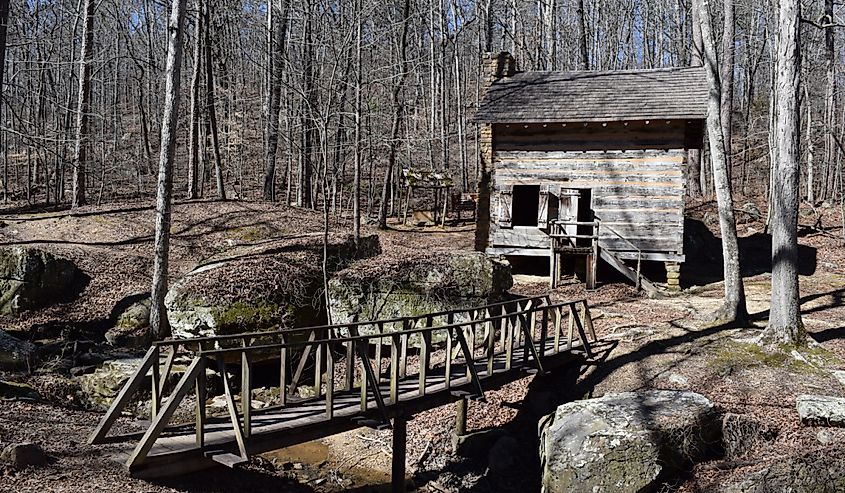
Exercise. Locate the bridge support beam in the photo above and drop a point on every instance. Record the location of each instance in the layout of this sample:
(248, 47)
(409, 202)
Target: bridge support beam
(397, 474)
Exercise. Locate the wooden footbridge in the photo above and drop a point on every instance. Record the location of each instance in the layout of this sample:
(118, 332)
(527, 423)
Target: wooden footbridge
(373, 373)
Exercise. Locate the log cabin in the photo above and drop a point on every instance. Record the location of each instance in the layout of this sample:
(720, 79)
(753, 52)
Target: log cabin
(587, 165)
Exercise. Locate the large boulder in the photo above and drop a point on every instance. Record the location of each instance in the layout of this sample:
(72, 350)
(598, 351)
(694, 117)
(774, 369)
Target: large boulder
(31, 278)
(131, 317)
(626, 442)
(277, 286)
(15, 354)
(416, 283)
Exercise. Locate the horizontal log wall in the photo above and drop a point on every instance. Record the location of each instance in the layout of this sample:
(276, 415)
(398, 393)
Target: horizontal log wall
(638, 193)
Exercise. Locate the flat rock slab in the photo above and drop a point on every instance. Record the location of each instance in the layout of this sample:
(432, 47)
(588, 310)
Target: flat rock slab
(821, 409)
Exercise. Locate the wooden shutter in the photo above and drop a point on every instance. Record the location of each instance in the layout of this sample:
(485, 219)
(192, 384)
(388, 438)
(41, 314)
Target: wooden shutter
(505, 207)
(543, 208)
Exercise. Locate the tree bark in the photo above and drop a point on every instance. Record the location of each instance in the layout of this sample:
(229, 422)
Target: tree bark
(694, 155)
(830, 104)
(733, 308)
(4, 21)
(210, 109)
(193, 133)
(582, 36)
(396, 99)
(170, 120)
(785, 325)
(83, 105)
(356, 178)
(277, 61)
(727, 82)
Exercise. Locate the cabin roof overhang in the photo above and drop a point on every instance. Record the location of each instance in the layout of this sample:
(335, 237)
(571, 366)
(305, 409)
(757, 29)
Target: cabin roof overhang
(588, 97)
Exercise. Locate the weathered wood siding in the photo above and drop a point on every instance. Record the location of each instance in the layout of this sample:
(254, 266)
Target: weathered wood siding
(637, 192)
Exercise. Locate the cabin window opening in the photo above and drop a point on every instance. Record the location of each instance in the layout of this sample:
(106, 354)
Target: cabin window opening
(526, 200)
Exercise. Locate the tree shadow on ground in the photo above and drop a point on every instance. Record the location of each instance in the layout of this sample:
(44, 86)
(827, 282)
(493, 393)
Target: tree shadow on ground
(579, 381)
(704, 261)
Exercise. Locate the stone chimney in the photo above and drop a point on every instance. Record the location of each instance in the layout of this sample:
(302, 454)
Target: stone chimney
(499, 65)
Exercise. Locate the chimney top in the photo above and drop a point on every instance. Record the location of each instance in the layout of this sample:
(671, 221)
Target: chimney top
(501, 64)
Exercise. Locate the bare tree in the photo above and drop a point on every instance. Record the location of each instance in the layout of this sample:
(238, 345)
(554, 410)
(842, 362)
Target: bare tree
(170, 120)
(396, 101)
(4, 21)
(727, 81)
(274, 104)
(193, 133)
(733, 309)
(83, 104)
(785, 325)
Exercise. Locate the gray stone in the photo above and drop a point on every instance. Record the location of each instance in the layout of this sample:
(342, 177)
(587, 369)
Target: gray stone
(821, 409)
(417, 284)
(502, 458)
(625, 442)
(132, 322)
(679, 380)
(31, 278)
(824, 437)
(478, 443)
(21, 455)
(100, 387)
(15, 354)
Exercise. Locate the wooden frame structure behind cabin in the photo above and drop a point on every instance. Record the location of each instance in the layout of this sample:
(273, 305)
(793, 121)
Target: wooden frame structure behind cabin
(599, 153)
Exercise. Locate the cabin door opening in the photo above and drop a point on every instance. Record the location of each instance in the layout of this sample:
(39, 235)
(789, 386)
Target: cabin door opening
(526, 200)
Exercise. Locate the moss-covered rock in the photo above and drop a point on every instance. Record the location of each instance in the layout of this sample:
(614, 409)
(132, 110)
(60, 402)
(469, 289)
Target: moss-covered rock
(31, 278)
(417, 283)
(276, 287)
(625, 442)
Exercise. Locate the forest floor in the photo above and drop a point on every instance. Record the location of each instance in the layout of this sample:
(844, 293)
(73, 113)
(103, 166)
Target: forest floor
(660, 343)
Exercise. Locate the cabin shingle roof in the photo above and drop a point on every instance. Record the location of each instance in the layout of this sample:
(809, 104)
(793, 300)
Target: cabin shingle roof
(546, 97)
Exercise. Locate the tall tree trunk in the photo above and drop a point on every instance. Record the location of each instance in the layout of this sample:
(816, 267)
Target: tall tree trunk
(277, 61)
(83, 105)
(727, 82)
(356, 178)
(733, 309)
(829, 102)
(396, 100)
(210, 109)
(785, 325)
(169, 123)
(584, 58)
(694, 155)
(193, 134)
(4, 21)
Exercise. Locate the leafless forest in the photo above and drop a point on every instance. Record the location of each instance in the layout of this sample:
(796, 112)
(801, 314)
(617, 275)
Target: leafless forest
(281, 99)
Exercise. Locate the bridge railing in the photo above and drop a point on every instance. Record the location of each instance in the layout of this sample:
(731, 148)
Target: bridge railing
(446, 350)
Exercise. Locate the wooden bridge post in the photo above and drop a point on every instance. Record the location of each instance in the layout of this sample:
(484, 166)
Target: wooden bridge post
(461, 417)
(397, 471)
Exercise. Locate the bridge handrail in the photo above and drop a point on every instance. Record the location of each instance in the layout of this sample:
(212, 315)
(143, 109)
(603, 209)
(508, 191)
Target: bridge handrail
(345, 339)
(519, 327)
(226, 337)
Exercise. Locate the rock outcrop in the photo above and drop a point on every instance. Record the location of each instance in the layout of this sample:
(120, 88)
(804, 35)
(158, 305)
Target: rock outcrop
(416, 283)
(31, 278)
(277, 286)
(99, 388)
(626, 442)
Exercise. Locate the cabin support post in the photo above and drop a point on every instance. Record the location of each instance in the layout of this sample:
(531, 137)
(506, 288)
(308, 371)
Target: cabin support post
(673, 276)
(397, 471)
